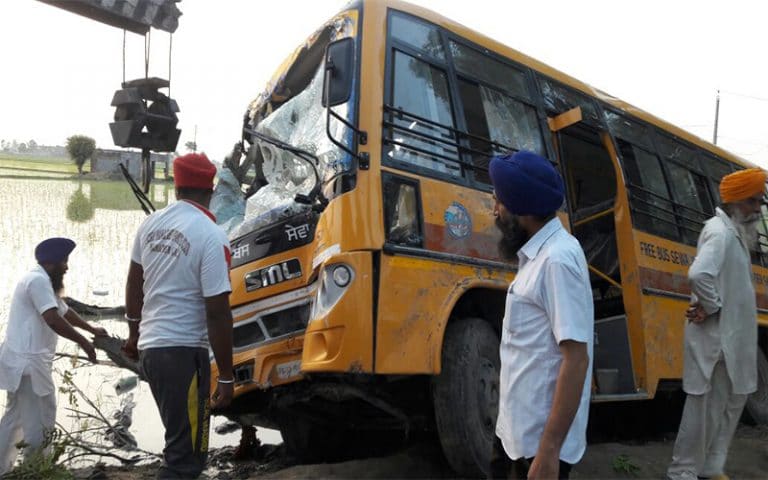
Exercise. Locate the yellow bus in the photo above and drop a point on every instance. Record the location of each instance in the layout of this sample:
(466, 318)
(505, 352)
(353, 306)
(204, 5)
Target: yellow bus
(368, 293)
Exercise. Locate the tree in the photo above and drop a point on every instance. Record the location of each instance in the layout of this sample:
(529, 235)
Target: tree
(22, 147)
(80, 149)
(32, 145)
(191, 146)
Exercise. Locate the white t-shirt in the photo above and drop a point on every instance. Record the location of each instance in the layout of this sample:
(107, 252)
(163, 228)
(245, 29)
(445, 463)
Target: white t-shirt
(549, 301)
(185, 257)
(30, 344)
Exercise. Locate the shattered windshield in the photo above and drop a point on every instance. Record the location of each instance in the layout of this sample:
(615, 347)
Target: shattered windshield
(289, 111)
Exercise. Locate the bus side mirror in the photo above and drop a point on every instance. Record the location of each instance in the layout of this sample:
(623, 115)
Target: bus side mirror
(339, 72)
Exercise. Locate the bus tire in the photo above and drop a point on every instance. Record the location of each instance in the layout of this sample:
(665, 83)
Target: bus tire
(466, 395)
(757, 403)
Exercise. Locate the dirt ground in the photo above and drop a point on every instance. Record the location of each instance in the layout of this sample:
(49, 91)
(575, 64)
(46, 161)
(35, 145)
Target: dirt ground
(748, 459)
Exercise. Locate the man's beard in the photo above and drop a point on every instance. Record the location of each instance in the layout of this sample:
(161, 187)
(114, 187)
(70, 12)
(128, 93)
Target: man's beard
(57, 279)
(746, 225)
(513, 237)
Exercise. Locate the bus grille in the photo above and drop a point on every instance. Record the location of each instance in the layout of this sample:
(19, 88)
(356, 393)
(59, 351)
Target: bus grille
(271, 326)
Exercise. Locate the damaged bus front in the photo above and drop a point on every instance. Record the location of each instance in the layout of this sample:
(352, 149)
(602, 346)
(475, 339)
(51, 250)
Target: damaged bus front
(301, 262)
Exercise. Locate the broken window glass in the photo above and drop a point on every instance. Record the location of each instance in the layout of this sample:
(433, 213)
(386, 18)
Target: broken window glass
(559, 99)
(402, 211)
(227, 203)
(511, 122)
(622, 127)
(291, 112)
(492, 116)
(676, 151)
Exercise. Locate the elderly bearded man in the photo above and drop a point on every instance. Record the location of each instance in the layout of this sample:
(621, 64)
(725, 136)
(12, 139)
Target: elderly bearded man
(720, 360)
(547, 332)
(37, 318)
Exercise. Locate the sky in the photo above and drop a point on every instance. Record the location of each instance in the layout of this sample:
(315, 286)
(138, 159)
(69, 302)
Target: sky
(669, 58)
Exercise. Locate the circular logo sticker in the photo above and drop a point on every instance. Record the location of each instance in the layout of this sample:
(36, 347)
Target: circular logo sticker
(457, 220)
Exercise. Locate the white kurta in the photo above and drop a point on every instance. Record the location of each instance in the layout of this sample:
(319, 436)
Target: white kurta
(26, 358)
(549, 301)
(721, 281)
(720, 353)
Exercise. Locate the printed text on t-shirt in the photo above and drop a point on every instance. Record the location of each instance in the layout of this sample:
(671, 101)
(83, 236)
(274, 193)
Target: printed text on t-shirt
(168, 234)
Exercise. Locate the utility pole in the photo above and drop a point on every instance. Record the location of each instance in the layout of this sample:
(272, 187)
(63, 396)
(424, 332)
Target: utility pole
(194, 140)
(717, 116)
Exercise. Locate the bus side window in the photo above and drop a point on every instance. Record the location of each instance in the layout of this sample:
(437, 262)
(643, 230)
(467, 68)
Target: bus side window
(688, 185)
(762, 235)
(492, 115)
(692, 196)
(497, 106)
(425, 139)
(759, 249)
(715, 169)
(417, 34)
(650, 201)
(559, 99)
(649, 194)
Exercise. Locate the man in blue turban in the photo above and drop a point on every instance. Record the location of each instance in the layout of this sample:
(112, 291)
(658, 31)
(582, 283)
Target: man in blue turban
(546, 344)
(37, 317)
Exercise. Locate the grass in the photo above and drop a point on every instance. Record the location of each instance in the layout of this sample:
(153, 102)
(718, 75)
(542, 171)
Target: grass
(50, 165)
(43, 463)
(623, 464)
(41, 164)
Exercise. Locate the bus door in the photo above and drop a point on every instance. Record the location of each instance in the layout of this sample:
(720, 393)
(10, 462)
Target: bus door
(590, 178)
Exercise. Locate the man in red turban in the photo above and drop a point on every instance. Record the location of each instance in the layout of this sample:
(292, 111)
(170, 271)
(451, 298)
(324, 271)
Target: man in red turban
(177, 305)
(720, 359)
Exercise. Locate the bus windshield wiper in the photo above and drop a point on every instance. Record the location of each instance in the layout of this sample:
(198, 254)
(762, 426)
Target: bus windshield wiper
(314, 195)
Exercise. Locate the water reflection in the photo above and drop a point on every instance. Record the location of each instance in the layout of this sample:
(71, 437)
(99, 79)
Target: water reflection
(102, 217)
(80, 208)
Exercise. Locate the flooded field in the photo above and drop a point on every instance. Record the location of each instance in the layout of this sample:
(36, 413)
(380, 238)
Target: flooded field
(102, 217)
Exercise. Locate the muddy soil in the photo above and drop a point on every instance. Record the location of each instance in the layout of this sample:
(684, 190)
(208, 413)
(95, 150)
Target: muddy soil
(626, 441)
(748, 459)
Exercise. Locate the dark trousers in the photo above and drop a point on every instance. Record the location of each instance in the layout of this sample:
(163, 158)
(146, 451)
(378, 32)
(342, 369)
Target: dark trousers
(502, 467)
(179, 378)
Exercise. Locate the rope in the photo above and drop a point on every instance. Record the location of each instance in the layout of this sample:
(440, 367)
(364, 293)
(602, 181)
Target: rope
(147, 43)
(170, 50)
(123, 55)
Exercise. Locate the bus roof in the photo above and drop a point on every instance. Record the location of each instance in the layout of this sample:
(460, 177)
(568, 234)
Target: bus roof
(545, 69)
(505, 51)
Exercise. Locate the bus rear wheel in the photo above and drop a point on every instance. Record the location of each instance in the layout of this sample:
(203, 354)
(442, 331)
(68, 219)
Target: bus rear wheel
(466, 395)
(757, 403)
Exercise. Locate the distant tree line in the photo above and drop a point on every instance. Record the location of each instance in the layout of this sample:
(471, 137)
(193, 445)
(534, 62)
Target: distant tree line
(14, 146)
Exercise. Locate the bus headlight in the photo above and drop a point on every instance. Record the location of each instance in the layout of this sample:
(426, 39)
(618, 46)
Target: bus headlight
(341, 275)
(334, 281)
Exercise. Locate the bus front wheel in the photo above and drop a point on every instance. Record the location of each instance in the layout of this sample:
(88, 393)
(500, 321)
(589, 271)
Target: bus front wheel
(466, 395)
(757, 403)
